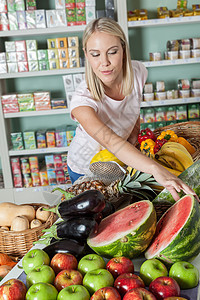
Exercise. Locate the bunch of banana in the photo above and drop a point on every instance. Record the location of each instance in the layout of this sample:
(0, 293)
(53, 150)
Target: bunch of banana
(174, 157)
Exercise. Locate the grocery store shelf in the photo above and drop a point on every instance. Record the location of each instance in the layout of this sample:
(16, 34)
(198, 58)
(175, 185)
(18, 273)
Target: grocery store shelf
(168, 102)
(36, 113)
(42, 31)
(164, 22)
(42, 73)
(37, 151)
(162, 63)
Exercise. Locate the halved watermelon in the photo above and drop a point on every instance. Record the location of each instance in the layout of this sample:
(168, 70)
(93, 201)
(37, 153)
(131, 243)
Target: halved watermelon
(177, 236)
(126, 232)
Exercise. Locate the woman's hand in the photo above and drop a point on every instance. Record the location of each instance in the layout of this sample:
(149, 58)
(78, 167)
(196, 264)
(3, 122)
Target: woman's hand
(172, 183)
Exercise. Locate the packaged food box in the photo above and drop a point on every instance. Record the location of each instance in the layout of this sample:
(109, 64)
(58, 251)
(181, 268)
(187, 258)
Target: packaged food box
(155, 56)
(29, 139)
(58, 103)
(54, 64)
(60, 177)
(12, 19)
(17, 141)
(51, 174)
(195, 92)
(4, 24)
(35, 178)
(42, 54)
(41, 139)
(30, 4)
(27, 180)
(73, 41)
(16, 171)
(43, 178)
(61, 43)
(149, 115)
(170, 113)
(50, 138)
(181, 112)
(193, 111)
(57, 161)
(148, 97)
(30, 19)
(159, 124)
(33, 162)
(184, 93)
(80, 14)
(159, 114)
(43, 65)
(49, 161)
(160, 86)
(160, 95)
(70, 134)
(71, 16)
(40, 18)
(148, 88)
(25, 166)
(10, 107)
(23, 66)
(13, 67)
(61, 139)
(172, 94)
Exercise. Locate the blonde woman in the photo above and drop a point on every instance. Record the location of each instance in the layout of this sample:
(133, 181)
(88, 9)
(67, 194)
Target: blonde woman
(107, 106)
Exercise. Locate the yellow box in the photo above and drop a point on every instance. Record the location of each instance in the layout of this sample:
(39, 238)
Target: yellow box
(52, 54)
(64, 63)
(51, 43)
(63, 53)
(73, 52)
(74, 62)
(73, 41)
(61, 43)
(53, 64)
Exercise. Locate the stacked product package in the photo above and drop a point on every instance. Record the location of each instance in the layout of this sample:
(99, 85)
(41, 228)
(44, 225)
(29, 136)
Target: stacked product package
(28, 172)
(24, 55)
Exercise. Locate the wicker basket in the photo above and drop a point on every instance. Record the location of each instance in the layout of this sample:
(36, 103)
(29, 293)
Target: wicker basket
(19, 243)
(189, 130)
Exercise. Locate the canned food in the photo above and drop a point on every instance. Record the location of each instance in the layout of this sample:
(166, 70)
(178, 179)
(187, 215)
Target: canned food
(160, 95)
(183, 84)
(184, 93)
(155, 56)
(148, 97)
(172, 55)
(195, 53)
(185, 44)
(173, 45)
(195, 92)
(172, 94)
(184, 54)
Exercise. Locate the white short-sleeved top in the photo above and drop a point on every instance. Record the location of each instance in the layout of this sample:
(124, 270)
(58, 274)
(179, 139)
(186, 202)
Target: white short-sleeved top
(120, 116)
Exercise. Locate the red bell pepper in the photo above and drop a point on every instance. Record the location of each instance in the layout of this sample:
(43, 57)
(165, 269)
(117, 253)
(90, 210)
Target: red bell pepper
(159, 144)
(146, 134)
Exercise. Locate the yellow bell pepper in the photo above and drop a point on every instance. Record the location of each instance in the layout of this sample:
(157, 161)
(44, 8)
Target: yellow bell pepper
(168, 135)
(147, 147)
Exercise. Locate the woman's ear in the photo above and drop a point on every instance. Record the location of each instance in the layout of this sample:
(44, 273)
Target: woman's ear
(85, 52)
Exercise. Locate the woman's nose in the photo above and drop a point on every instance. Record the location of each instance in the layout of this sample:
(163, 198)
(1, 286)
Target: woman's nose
(104, 60)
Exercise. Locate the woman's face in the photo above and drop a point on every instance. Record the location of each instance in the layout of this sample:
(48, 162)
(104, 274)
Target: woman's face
(105, 55)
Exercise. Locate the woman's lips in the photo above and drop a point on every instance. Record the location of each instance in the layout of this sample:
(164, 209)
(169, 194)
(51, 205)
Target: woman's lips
(106, 72)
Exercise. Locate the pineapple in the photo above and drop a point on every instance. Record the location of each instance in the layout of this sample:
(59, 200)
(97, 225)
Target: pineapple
(139, 184)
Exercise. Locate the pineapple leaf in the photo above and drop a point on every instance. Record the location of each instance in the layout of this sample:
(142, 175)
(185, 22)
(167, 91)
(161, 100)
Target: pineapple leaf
(126, 180)
(135, 175)
(133, 185)
(144, 177)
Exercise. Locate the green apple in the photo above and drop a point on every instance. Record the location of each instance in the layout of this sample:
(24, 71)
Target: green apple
(185, 273)
(42, 291)
(152, 269)
(96, 279)
(43, 273)
(34, 258)
(74, 292)
(91, 262)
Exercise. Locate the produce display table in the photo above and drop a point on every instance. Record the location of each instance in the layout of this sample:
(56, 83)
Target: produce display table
(191, 294)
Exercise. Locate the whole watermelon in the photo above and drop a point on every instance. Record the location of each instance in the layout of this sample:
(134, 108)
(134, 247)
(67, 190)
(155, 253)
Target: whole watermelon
(191, 176)
(177, 236)
(126, 232)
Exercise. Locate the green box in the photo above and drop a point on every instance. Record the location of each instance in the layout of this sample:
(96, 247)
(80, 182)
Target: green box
(193, 111)
(43, 65)
(181, 112)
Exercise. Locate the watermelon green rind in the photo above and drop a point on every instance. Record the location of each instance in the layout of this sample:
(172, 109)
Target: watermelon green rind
(133, 243)
(191, 176)
(186, 245)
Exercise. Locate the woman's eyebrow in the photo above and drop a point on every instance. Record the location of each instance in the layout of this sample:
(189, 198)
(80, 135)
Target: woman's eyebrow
(107, 49)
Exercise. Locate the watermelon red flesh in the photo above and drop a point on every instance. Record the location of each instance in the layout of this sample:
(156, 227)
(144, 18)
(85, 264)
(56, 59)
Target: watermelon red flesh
(121, 223)
(177, 234)
(126, 232)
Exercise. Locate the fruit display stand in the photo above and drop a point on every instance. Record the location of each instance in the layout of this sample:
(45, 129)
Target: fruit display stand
(191, 294)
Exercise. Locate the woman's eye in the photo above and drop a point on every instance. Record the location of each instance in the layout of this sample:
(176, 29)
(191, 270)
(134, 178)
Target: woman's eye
(95, 54)
(112, 52)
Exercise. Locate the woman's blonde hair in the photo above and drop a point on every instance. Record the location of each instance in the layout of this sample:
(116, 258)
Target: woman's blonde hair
(95, 85)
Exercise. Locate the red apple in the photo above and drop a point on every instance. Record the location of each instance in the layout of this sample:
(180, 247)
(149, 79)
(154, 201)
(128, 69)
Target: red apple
(119, 265)
(63, 261)
(127, 281)
(139, 294)
(163, 287)
(13, 289)
(66, 278)
(106, 293)
(175, 298)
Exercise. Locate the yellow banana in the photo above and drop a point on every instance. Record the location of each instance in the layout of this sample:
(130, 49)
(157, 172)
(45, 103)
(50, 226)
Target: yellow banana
(171, 162)
(178, 154)
(175, 172)
(178, 146)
